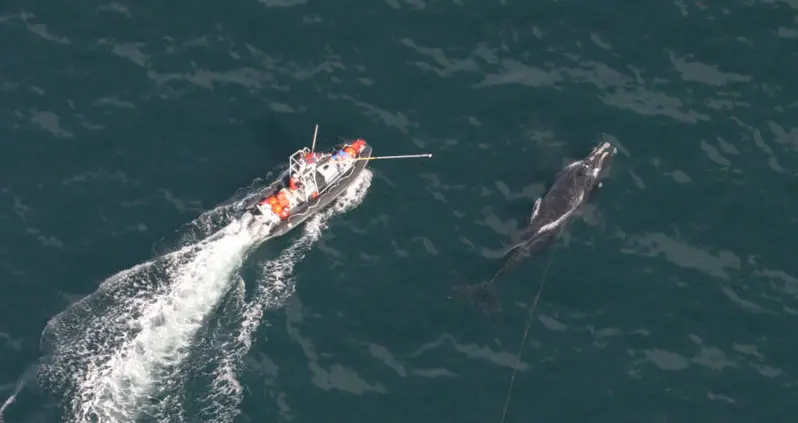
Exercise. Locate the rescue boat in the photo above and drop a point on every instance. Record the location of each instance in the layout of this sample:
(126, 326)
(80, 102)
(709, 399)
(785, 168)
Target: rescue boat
(312, 182)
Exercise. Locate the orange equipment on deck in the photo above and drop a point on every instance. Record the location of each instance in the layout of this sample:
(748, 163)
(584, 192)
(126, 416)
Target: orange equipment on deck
(281, 205)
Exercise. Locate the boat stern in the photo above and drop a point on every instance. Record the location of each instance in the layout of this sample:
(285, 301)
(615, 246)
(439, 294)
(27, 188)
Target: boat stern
(267, 214)
(275, 208)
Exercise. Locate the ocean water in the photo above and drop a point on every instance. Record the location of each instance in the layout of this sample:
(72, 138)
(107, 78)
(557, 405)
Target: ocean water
(130, 293)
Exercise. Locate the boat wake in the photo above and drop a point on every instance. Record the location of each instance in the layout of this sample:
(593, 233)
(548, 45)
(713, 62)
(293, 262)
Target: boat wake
(127, 350)
(275, 286)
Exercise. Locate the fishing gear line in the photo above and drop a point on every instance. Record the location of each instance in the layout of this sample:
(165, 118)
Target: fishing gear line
(528, 326)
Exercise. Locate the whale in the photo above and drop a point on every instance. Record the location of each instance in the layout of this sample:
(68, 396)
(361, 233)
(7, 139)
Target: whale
(573, 187)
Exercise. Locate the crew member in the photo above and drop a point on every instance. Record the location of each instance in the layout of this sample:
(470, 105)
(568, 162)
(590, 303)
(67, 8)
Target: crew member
(293, 184)
(310, 158)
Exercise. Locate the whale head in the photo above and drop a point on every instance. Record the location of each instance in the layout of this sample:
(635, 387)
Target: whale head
(596, 164)
(600, 159)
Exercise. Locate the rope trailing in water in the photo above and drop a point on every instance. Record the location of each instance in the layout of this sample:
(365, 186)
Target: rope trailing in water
(528, 326)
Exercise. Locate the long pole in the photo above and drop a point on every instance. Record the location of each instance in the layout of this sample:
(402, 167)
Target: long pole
(315, 132)
(408, 156)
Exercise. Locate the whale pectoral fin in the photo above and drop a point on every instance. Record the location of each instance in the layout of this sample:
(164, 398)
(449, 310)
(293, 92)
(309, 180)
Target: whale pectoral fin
(535, 210)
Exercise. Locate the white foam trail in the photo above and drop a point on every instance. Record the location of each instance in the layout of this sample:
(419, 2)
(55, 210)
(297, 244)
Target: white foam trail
(84, 337)
(272, 292)
(10, 401)
(117, 389)
(113, 352)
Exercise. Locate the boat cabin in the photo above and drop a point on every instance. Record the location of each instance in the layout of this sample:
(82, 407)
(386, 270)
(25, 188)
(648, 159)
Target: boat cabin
(304, 173)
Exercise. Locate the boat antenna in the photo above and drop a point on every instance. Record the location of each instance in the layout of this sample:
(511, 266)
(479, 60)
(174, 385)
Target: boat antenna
(315, 132)
(406, 156)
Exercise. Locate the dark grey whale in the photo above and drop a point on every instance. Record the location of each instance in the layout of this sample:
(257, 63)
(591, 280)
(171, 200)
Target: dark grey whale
(574, 186)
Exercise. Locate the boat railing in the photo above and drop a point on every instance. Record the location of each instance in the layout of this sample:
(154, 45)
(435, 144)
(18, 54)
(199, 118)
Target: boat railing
(296, 160)
(304, 172)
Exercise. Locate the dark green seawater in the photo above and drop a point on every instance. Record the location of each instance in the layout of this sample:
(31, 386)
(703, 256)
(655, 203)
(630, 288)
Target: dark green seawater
(128, 128)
